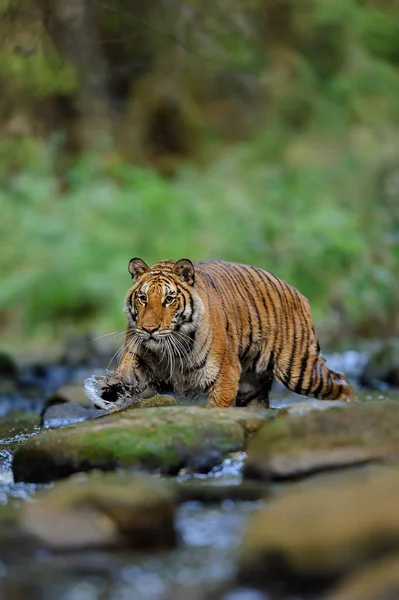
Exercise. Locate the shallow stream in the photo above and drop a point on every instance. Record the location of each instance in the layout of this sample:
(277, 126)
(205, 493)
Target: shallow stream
(209, 535)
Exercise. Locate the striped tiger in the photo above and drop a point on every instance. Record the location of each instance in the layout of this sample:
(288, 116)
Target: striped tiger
(221, 328)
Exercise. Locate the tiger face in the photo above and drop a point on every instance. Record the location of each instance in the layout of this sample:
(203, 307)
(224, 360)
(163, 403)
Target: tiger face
(162, 303)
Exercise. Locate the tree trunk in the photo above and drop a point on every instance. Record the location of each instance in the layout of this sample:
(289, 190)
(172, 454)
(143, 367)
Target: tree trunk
(72, 25)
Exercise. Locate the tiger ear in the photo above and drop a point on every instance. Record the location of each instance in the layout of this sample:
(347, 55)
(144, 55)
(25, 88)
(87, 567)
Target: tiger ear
(184, 269)
(137, 267)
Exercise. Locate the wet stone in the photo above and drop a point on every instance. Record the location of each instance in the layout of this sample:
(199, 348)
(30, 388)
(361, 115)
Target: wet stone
(68, 404)
(318, 533)
(68, 413)
(297, 445)
(103, 510)
(164, 440)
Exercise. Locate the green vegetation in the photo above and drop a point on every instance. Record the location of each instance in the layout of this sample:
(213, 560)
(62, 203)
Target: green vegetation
(266, 134)
(154, 439)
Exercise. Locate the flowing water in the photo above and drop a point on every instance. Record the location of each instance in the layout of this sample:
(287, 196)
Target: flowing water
(209, 536)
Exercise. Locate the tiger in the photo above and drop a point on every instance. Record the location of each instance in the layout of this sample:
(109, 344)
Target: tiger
(219, 328)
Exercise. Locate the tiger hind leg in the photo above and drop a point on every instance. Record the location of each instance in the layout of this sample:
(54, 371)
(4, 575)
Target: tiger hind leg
(315, 379)
(253, 390)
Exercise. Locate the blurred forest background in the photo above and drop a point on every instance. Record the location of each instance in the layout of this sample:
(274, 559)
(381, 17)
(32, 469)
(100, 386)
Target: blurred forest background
(264, 132)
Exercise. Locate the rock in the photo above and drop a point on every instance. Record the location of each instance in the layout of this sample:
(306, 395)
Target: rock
(68, 413)
(378, 582)
(155, 401)
(106, 510)
(317, 533)
(209, 493)
(106, 391)
(382, 368)
(73, 392)
(68, 404)
(8, 367)
(299, 445)
(163, 439)
(301, 408)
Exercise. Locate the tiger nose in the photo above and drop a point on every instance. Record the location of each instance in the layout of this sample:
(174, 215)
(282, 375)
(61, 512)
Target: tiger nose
(150, 328)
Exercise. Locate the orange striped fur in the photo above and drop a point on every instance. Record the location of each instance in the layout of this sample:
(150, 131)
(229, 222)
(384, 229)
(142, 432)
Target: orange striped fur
(221, 328)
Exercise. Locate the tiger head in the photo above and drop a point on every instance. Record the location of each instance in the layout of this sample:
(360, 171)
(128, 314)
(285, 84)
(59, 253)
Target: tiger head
(162, 303)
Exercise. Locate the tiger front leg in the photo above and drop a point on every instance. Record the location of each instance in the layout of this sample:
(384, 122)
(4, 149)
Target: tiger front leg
(126, 385)
(223, 392)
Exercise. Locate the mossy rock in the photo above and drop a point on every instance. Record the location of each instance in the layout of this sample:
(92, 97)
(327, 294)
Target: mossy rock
(155, 401)
(163, 439)
(102, 510)
(69, 404)
(298, 445)
(318, 533)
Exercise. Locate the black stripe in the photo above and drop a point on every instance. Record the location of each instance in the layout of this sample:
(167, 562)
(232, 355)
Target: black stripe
(304, 362)
(205, 342)
(321, 382)
(206, 388)
(209, 279)
(288, 375)
(227, 271)
(184, 303)
(266, 289)
(189, 319)
(267, 282)
(311, 376)
(202, 364)
(329, 387)
(256, 359)
(254, 300)
(221, 296)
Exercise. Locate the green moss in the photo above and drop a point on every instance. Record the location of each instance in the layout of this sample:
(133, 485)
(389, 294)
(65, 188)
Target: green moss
(155, 401)
(158, 439)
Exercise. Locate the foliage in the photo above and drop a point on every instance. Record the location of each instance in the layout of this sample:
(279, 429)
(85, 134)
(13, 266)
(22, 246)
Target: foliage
(278, 122)
(66, 247)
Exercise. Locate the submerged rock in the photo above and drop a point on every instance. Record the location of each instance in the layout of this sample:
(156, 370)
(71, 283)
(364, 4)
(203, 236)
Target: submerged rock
(68, 404)
(68, 413)
(382, 368)
(163, 439)
(378, 582)
(299, 445)
(316, 533)
(106, 510)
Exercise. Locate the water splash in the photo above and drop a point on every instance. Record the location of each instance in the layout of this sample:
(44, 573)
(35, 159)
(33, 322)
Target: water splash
(229, 472)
